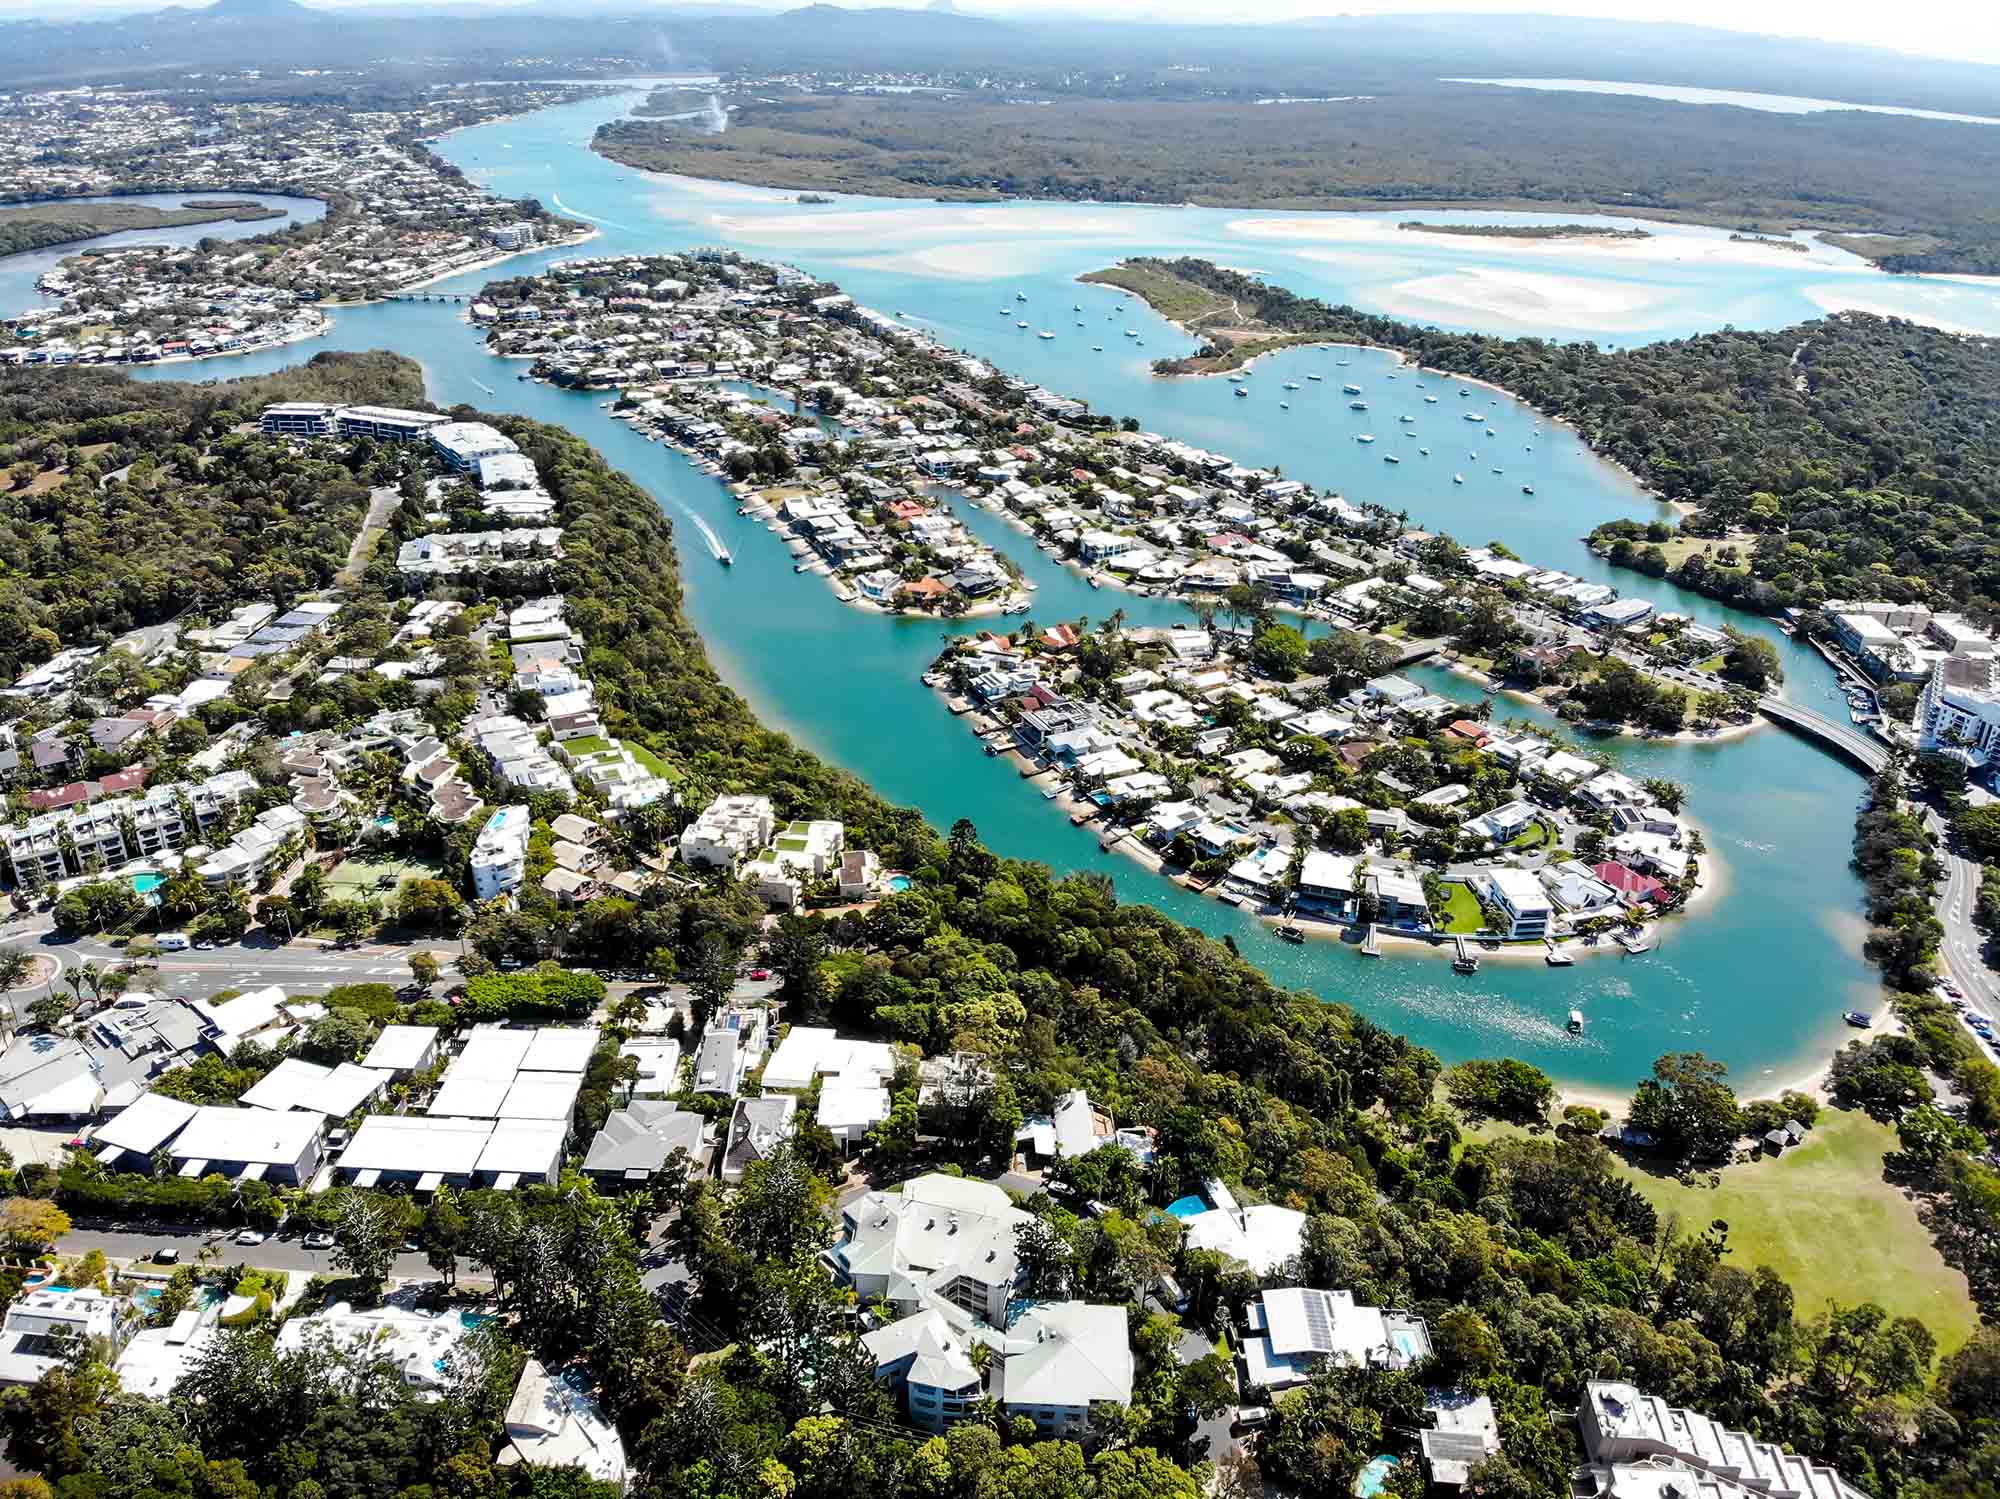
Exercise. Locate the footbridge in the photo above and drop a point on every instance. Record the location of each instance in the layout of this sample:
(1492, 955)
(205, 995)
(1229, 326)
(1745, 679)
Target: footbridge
(1845, 739)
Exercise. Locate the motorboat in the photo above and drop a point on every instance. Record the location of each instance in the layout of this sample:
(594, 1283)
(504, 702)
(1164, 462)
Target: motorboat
(1365, 437)
(1357, 405)
(1858, 1020)
(1527, 489)
(1576, 1022)
(1458, 478)
(1045, 334)
(1353, 390)
(1390, 458)
(1242, 392)
(1312, 377)
(1291, 385)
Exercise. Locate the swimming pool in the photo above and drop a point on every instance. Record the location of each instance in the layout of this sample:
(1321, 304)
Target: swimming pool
(1187, 1207)
(146, 884)
(1374, 1474)
(899, 882)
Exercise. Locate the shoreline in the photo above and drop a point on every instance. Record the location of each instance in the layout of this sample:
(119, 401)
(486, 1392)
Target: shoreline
(1597, 728)
(1402, 359)
(484, 263)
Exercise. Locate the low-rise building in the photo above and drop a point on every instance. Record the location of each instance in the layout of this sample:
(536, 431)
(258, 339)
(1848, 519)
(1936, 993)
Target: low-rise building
(1294, 1330)
(500, 853)
(1523, 906)
(728, 831)
(553, 1423)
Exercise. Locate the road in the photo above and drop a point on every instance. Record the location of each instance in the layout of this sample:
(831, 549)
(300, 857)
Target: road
(285, 1253)
(1962, 952)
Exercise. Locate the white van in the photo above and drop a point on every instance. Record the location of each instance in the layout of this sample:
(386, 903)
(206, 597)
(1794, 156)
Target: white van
(173, 942)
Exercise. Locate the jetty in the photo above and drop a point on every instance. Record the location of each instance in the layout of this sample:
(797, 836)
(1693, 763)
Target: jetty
(1371, 945)
(1464, 960)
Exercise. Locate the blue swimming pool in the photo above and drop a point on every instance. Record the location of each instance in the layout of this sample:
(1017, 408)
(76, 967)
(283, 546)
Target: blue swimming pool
(899, 882)
(1187, 1207)
(1374, 1474)
(146, 884)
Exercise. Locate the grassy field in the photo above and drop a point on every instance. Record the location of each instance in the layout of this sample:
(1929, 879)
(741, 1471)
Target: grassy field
(653, 763)
(1532, 837)
(1461, 911)
(1181, 301)
(357, 879)
(1822, 1217)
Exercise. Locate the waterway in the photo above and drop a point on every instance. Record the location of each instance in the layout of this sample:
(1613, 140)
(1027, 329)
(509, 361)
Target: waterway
(18, 273)
(1674, 93)
(1756, 976)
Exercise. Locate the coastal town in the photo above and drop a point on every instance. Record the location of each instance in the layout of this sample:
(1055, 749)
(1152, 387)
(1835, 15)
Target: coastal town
(396, 217)
(471, 1028)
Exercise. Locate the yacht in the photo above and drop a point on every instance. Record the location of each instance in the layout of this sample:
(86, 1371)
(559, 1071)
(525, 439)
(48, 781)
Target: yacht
(1243, 393)
(1499, 471)
(1458, 478)
(1527, 489)
(1405, 418)
(1045, 334)
(1019, 324)
(1353, 390)
(1365, 437)
(1390, 458)
(1312, 377)
(1284, 405)
(1357, 405)
(1425, 451)
(1576, 1022)
(1131, 332)
(1341, 362)
(1430, 400)
(1291, 385)
(1020, 296)
(1097, 348)
(1076, 307)
(1473, 416)
(1489, 432)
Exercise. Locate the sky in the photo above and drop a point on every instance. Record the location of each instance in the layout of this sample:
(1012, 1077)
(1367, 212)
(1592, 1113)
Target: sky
(1963, 30)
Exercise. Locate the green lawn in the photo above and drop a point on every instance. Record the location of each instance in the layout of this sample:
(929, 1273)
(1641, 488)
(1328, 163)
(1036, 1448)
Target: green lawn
(361, 878)
(1533, 836)
(653, 763)
(1461, 910)
(1822, 1217)
(587, 744)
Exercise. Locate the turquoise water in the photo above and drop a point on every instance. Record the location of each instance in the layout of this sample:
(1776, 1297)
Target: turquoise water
(1758, 976)
(899, 882)
(145, 884)
(1187, 1207)
(1374, 1475)
(18, 273)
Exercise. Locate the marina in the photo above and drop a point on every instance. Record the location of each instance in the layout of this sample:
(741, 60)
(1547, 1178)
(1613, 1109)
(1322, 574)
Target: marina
(1779, 809)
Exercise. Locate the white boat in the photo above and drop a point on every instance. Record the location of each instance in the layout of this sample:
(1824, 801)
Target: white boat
(1131, 332)
(1284, 405)
(1076, 307)
(1527, 489)
(1405, 418)
(1357, 405)
(1242, 392)
(1576, 1022)
(1045, 334)
(1390, 458)
(1430, 400)
(1425, 451)
(1365, 437)
(1473, 416)
(1312, 377)
(1097, 348)
(1489, 432)
(1020, 296)
(1353, 390)
(1291, 385)
(1019, 324)
(1458, 478)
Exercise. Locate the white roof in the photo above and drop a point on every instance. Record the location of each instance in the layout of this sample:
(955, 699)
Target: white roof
(286, 1085)
(540, 1095)
(552, 1424)
(492, 1051)
(244, 1014)
(342, 1091)
(1067, 1353)
(252, 1136)
(1262, 1237)
(148, 1123)
(416, 1142)
(471, 1096)
(400, 1048)
(847, 1106)
(524, 1147)
(560, 1050)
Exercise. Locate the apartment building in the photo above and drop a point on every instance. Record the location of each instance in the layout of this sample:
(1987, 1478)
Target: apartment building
(728, 831)
(500, 853)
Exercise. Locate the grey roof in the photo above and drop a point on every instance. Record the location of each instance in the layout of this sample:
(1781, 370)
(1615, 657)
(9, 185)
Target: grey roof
(757, 1127)
(715, 1064)
(641, 1136)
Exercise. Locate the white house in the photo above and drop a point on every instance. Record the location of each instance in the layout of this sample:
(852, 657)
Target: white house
(1523, 905)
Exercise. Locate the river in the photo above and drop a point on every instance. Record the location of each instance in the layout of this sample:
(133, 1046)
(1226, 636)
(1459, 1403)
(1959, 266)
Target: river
(1756, 975)
(18, 273)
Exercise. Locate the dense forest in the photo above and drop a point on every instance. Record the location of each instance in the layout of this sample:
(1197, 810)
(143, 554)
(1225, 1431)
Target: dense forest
(36, 228)
(1417, 144)
(117, 511)
(1854, 456)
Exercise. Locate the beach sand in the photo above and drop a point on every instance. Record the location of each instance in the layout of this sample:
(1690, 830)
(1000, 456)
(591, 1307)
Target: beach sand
(1530, 299)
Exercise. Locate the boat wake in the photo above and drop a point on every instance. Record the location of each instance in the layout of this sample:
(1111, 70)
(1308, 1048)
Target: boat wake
(715, 547)
(555, 199)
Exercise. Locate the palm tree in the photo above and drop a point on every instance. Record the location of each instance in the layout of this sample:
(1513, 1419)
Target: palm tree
(93, 975)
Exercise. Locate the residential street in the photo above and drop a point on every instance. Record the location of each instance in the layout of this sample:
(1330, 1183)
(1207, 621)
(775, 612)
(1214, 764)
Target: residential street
(283, 1253)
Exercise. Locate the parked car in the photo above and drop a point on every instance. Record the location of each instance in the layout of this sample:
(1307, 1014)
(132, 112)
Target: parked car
(251, 1236)
(760, 974)
(319, 1241)
(167, 1255)
(172, 941)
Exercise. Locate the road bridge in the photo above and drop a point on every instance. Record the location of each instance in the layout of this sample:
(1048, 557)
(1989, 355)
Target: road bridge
(1844, 739)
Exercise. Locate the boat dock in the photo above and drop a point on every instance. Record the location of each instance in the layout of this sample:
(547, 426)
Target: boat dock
(1371, 945)
(1464, 959)
(1556, 957)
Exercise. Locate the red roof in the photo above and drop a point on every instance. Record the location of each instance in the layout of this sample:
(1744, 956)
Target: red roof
(1629, 882)
(1059, 637)
(1465, 728)
(74, 794)
(131, 778)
